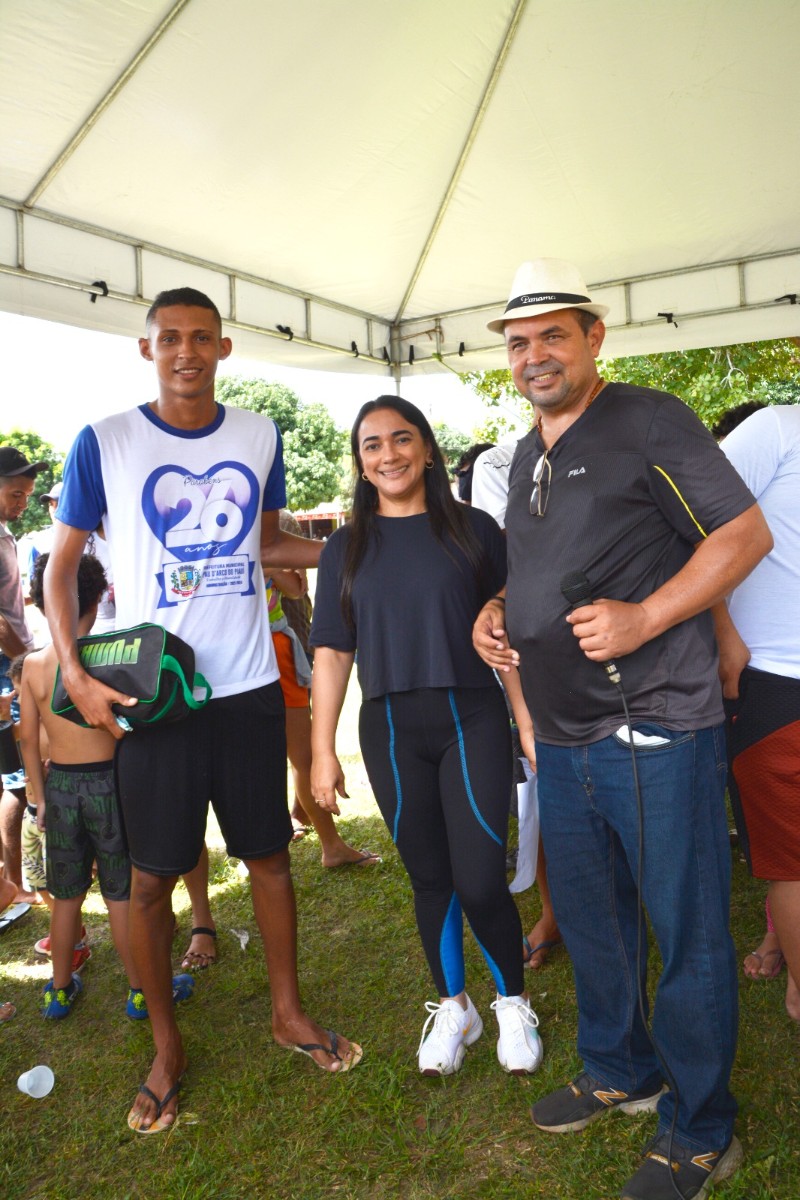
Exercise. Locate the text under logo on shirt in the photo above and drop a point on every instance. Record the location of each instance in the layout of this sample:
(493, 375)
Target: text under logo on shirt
(201, 520)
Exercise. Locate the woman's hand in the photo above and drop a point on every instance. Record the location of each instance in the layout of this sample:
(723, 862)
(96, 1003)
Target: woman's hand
(327, 780)
(528, 744)
(489, 637)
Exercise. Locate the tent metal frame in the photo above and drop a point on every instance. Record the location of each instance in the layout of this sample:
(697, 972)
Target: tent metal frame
(378, 340)
(385, 338)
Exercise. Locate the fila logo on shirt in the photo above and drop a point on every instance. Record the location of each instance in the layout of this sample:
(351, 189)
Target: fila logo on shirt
(576, 471)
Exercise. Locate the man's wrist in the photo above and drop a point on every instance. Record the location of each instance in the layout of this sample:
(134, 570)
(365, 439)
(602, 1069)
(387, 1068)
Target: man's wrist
(73, 673)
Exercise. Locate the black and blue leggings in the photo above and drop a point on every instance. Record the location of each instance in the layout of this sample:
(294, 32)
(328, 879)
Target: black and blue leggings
(439, 762)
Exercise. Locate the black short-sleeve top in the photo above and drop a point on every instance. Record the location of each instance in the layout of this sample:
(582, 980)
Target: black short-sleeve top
(637, 482)
(415, 600)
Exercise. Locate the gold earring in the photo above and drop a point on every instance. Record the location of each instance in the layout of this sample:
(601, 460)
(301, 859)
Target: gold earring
(364, 477)
(429, 465)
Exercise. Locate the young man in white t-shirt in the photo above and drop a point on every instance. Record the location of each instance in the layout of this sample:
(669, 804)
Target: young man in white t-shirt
(189, 494)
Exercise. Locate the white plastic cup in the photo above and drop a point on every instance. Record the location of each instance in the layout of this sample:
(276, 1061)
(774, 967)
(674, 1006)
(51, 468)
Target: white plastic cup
(38, 1082)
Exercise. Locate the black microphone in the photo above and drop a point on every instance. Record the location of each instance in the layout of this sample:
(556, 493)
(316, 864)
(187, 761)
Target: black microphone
(576, 589)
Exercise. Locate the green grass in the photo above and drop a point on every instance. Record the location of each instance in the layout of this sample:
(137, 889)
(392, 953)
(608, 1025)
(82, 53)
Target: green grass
(257, 1121)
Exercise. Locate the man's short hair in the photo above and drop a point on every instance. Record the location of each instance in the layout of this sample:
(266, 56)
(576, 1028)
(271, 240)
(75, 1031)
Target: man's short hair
(92, 582)
(188, 297)
(734, 416)
(585, 319)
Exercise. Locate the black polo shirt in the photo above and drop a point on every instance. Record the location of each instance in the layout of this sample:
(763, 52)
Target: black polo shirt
(637, 482)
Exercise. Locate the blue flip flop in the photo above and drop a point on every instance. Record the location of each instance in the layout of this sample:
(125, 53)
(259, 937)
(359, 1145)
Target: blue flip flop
(134, 1120)
(549, 944)
(356, 1052)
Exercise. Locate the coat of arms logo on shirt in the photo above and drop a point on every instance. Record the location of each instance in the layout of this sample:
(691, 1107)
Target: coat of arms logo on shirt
(201, 520)
(185, 580)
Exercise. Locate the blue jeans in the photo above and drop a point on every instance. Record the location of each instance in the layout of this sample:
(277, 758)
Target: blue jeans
(589, 824)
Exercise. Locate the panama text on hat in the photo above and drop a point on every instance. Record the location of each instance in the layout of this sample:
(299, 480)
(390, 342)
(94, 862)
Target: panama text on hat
(545, 285)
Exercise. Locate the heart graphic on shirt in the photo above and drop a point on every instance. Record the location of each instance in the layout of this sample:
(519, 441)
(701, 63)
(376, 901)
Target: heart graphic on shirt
(201, 516)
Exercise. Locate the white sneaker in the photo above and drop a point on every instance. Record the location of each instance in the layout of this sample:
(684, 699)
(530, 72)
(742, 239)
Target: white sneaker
(442, 1051)
(519, 1047)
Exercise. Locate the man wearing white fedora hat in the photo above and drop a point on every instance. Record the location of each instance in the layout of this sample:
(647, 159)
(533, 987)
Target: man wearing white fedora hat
(625, 525)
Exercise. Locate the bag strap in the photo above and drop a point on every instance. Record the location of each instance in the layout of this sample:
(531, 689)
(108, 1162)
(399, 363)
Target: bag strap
(200, 681)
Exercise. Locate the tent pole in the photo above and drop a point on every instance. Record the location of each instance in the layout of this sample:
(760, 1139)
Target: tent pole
(469, 141)
(107, 99)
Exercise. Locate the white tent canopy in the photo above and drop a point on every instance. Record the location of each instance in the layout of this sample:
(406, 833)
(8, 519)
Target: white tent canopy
(367, 174)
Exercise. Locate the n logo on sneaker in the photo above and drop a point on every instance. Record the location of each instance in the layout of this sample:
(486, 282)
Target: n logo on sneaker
(707, 1161)
(610, 1096)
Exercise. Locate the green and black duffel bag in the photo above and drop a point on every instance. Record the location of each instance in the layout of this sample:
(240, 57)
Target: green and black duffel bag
(147, 662)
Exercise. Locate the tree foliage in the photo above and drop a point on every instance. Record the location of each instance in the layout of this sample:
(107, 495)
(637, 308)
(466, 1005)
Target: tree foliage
(451, 442)
(711, 381)
(506, 409)
(783, 391)
(313, 446)
(35, 449)
(714, 380)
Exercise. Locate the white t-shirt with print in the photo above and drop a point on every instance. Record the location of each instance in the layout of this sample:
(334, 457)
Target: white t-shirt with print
(181, 510)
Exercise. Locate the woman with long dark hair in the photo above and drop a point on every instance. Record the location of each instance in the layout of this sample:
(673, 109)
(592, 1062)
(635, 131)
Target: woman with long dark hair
(401, 585)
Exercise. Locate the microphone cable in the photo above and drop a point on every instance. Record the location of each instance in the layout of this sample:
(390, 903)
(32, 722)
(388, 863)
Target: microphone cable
(672, 1084)
(576, 589)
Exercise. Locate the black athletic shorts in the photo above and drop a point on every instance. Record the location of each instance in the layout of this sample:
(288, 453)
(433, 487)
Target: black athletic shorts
(232, 753)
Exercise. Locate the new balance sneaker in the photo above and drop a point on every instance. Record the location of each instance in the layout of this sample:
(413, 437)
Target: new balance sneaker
(519, 1047)
(690, 1171)
(42, 947)
(136, 1005)
(441, 1052)
(575, 1106)
(57, 1003)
